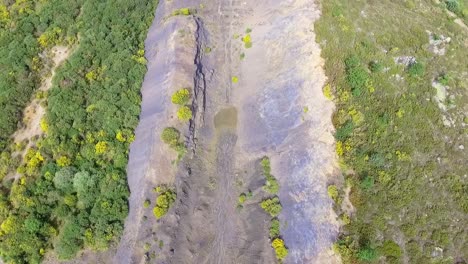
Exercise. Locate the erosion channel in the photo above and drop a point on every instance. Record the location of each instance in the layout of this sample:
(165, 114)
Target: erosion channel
(255, 76)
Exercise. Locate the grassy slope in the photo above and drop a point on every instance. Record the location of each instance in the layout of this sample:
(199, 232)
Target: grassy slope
(407, 173)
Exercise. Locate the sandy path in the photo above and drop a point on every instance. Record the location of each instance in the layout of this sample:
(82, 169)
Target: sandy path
(235, 125)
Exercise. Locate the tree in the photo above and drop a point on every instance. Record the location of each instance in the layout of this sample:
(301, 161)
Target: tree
(184, 113)
(63, 161)
(181, 97)
(85, 186)
(164, 201)
(170, 136)
(416, 69)
(280, 249)
(272, 206)
(10, 225)
(69, 240)
(63, 179)
(50, 38)
(32, 224)
(274, 228)
(101, 147)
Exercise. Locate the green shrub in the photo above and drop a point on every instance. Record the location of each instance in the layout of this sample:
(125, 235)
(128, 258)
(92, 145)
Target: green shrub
(181, 150)
(242, 198)
(453, 6)
(182, 12)
(272, 206)
(170, 136)
(344, 131)
(444, 79)
(367, 183)
(416, 69)
(41, 94)
(344, 251)
(352, 62)
(440, 237)
(181, 97)
(390, 249)
(274, 228)
(367, 254)
(146, 204)
(375, 66)
(147, 246)
(266, 165)
(356, 75)
(235, 79)
(184, 113)
(357, 79)
(345, 219)
(413, 250)
(32, 224)
(164, 201)
(247, 41)
(333, 192)
(280, 249)
(271, 184)
(377, 160)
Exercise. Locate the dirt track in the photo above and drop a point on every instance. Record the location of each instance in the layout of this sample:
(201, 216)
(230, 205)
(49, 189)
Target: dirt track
(234, 125)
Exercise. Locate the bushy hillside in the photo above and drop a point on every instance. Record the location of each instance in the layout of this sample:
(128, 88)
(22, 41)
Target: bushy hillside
(398, 75)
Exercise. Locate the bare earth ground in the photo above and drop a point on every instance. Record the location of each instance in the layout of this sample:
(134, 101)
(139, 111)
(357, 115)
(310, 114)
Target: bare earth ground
(234, 126)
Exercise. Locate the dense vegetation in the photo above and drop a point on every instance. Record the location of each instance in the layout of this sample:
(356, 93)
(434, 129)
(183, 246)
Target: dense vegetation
(27, 28)
(400, 139)
(73, 191)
